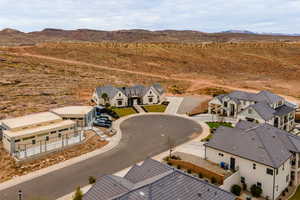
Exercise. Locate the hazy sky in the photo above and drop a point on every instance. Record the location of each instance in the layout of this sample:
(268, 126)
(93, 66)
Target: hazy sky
(204, 15)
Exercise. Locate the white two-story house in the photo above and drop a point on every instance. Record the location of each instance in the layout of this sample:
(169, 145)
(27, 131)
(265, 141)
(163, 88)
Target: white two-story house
(263, 155)
(129, 96)
(262, 107)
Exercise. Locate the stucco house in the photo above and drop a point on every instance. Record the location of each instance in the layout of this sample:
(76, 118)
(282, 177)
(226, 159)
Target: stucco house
(38, 133)
(262, 154)
(128, 96)
(262, 107)
(153, 180)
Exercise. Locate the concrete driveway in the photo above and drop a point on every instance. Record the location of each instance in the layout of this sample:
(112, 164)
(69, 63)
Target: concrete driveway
(142, 136)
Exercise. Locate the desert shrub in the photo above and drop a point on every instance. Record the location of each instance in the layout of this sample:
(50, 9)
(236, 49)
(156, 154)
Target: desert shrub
(92, 180)
(169, 163)
(78, 194)
(178, 167)
(189, 171)
(236, 189)
(255, 191)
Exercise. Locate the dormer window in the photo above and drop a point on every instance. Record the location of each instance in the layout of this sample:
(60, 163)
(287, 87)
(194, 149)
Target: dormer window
(119, 94)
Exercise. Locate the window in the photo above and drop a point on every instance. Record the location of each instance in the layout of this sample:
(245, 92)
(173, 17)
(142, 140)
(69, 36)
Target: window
(270, 171)
(59, 135)
(225, 104)
(249, 111)
(242, 179)
(65, 129)
(47, 138)
(150, 100)
(150, 92)
(18, 140)
(52, 132)
(276, 188)
(220, 154)
(259, 185)
(120, 103)
(119, 94)
(283, 167)
(287, 178)
(254, 166)
(33, 141)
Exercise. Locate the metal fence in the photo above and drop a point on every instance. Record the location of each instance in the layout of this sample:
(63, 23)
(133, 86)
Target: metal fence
(26, 150)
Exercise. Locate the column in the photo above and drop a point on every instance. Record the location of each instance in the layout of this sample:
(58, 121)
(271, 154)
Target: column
(296, 171)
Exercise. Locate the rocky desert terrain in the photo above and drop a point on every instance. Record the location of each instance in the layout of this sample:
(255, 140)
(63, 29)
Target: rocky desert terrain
(38, 77)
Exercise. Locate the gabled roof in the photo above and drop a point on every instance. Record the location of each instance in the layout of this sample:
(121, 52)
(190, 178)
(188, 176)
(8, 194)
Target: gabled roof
(262, 96)
(160, 183)
(263, 109)
(283, 110)
(134, 91)
(261, 143)
(266, 96)
(148, 169)
(111, 91)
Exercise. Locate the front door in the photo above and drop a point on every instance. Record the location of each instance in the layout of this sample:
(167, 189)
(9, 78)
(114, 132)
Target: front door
(232, 163)
(135, 102)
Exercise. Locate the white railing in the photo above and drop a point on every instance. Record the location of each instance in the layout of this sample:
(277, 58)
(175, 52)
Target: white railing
(214, 118)
(44, 147)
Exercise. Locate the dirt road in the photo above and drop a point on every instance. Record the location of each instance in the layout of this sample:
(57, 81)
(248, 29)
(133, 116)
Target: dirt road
(195, 84)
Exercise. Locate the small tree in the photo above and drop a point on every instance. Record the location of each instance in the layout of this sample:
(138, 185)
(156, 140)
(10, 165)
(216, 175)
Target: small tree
(255, 191)
(236, 189)
(92, 180)
(105, 97)
(78, 194)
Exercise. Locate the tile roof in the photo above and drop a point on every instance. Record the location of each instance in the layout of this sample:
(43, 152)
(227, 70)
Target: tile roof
(261, 143)
(163, 183)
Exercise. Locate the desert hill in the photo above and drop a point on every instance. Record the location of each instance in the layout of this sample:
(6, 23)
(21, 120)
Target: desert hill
(15, 37)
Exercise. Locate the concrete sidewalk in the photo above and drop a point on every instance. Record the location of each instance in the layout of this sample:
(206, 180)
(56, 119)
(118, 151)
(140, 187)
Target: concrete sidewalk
(174, 104)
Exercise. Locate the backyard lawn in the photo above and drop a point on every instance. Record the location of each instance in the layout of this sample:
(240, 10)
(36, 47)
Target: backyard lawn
(214, 125)
(155, 108)
(121, 112)
(296, 195)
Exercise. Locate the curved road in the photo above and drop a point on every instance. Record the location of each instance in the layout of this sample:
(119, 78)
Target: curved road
(142, 137)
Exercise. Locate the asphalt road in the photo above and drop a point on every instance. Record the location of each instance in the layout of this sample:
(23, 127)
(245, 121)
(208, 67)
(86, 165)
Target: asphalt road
(142, 137)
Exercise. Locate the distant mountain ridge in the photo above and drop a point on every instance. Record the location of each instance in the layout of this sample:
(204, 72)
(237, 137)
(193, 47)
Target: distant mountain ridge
(15, 37)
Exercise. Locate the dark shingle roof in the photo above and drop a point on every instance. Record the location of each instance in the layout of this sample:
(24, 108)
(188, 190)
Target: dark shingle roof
(108, 89)
(148, 169)
(283, 110)
(162, 183)
(137, 90)
(262, 143)
(264, 110)
(266, 96)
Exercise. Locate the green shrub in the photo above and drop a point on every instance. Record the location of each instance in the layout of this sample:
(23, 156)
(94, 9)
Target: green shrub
(255, 191)
(78, 194)
(236, 189)
(92, 180)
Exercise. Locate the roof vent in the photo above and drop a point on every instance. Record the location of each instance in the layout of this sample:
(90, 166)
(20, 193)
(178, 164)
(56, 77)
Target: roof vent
(142, 193)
